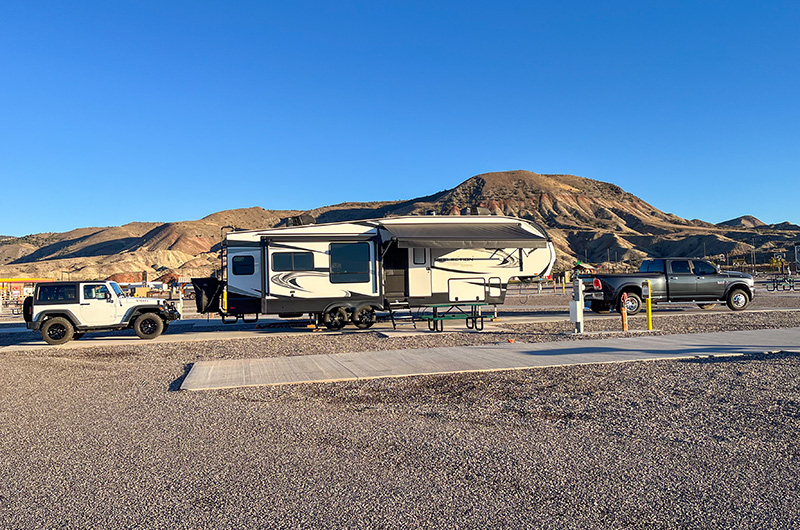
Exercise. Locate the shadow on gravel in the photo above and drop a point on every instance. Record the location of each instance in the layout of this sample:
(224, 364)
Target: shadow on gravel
(175, 386)
(745, 357)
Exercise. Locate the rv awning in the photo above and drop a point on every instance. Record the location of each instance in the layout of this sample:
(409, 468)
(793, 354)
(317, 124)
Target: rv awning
(463, 235)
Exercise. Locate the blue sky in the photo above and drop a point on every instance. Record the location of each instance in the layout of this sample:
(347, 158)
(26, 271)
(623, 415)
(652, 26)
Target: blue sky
(126, 111)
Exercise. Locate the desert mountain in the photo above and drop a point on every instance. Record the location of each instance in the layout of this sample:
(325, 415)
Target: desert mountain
(587, 219)
(745, 221)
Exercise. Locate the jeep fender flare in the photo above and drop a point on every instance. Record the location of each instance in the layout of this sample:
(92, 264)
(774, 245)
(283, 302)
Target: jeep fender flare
(44, 315)
(134, 312)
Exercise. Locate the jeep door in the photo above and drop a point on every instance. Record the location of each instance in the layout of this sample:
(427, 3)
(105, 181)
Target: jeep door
(97, 306)
(681, 280)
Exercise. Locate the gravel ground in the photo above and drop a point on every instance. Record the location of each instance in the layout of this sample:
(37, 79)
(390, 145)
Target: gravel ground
(98, 437)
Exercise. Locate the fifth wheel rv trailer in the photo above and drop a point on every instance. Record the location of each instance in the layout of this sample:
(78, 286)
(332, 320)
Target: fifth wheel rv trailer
(345, 272)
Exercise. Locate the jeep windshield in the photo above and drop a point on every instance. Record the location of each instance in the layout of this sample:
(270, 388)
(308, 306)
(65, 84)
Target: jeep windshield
(117, 289)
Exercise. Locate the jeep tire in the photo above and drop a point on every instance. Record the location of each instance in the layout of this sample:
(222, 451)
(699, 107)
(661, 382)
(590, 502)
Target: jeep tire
(148, 326)
(57, 330)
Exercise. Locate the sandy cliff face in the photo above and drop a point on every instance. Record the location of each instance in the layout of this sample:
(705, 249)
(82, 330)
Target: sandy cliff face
(587, 219)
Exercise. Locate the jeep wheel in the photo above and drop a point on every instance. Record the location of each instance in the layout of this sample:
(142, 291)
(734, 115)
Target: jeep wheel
(57, 330)
(738, 300)
(148, 326)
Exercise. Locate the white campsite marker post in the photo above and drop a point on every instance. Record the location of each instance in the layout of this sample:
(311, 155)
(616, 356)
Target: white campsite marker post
(576, 305)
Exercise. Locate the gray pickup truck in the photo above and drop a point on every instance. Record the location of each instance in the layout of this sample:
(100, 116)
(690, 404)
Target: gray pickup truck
(672, 280)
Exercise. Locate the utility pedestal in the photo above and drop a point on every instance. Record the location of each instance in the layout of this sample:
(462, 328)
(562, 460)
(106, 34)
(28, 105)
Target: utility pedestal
(647, 295)
(576, 305)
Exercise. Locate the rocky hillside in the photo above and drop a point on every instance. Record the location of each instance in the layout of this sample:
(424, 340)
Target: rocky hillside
(588, 220)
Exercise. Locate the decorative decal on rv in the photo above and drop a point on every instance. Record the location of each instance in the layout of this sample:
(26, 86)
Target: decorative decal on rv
(288, 280)
(510, 260)
(459, 271)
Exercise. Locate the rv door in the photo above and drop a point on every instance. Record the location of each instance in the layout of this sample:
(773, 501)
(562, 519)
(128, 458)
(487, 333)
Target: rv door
(419, 272)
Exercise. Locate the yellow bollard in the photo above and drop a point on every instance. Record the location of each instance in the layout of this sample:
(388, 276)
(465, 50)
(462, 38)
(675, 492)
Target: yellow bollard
(649, 308)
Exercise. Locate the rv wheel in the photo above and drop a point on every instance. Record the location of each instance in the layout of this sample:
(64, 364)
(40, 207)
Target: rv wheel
(336, 318)
(363, 317)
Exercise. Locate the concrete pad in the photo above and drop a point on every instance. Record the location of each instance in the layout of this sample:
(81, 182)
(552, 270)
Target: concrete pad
(208, 375)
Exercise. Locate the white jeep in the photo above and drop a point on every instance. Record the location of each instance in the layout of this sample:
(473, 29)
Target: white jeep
(62, 311)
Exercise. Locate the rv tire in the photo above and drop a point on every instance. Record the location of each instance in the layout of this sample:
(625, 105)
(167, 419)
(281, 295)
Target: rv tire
(335, 318)
(363, 317)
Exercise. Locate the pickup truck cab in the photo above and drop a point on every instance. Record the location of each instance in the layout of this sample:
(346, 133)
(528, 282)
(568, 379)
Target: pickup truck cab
(62, 311)
(672, 280)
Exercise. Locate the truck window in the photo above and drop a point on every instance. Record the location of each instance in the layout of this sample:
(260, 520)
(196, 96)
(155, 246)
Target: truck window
(701, 268)
(244, 265)
(680, 267)
(292, 261)
(656, 265)
(349, 262)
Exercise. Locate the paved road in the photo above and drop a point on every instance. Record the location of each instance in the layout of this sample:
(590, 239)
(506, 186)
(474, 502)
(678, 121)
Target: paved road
(208, 375)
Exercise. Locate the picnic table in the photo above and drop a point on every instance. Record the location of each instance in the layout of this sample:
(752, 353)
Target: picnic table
(469, 313)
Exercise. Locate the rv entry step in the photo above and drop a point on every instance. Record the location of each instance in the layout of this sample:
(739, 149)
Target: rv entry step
(401, 314)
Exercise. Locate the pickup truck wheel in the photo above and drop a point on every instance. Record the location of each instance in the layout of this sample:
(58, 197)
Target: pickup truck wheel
(707, 307)
(633, 305)
(57, 330)
(600, 307)
(148, 326)
(737, 300)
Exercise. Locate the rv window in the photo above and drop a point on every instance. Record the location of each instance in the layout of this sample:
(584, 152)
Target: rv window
(349, 262)
(292, 261)
(419, 256)
(244, 265)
